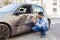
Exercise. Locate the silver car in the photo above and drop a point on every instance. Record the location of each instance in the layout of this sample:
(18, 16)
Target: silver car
(14, 17)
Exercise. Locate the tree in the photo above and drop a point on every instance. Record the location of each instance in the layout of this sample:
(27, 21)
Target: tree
(6, 2)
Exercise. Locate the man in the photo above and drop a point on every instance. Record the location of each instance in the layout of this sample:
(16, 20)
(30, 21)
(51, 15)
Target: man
(41, 24)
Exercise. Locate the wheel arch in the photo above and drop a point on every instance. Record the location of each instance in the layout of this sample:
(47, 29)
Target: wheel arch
(48, 19)
(8, 26)
(49, 22)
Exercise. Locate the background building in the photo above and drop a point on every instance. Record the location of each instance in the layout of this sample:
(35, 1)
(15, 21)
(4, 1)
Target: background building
(1, 3)
(37, 2)
(52, 7)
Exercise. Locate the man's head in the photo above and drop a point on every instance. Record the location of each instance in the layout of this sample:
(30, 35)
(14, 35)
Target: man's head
(40, 15)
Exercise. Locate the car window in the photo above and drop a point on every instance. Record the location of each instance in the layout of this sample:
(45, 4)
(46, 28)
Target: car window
(24, 9)
(38, 8)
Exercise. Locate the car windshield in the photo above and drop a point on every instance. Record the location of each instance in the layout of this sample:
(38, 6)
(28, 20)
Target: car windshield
(8, 8)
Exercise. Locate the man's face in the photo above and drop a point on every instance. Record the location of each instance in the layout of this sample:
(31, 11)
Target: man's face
(40, 16)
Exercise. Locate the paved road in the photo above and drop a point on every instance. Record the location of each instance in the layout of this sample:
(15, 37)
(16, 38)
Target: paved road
(52, 34)
(55, 28)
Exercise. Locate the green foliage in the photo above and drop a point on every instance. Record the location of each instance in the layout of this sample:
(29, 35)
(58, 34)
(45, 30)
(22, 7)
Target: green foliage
(6, 2)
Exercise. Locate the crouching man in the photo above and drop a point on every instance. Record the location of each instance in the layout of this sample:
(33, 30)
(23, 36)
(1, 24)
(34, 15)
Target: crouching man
(41, 24)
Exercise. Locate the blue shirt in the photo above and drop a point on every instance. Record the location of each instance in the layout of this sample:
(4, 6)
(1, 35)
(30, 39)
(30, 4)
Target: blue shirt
(42, 22)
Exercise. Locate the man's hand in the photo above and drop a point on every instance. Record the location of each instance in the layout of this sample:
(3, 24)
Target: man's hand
(34, 20)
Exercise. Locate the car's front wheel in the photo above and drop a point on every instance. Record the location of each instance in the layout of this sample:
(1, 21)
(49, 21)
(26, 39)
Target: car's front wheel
(4, 32)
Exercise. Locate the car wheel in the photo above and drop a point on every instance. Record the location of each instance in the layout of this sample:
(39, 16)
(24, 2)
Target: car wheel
(4, 32)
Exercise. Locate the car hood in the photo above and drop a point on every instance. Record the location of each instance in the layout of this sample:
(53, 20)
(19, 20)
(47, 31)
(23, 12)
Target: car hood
(6, 17)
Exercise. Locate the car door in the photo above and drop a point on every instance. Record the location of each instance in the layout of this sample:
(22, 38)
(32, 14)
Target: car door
(21, 17)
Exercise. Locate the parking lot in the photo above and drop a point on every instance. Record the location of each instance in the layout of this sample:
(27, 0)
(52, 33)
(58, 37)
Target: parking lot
(32, 36)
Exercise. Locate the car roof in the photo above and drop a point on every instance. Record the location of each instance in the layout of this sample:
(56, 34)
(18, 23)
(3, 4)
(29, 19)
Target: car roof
(27, 4)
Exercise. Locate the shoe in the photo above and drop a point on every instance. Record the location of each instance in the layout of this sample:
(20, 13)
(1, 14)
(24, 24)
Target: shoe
(42, 36)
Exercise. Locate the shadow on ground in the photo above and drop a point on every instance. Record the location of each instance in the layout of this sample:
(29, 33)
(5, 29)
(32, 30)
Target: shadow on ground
(22, 34)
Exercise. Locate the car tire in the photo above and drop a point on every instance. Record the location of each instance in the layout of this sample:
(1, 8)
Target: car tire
(4, 32)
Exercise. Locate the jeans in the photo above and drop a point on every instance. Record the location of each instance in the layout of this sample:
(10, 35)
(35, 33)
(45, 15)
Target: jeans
(30, 24)
(42, 30)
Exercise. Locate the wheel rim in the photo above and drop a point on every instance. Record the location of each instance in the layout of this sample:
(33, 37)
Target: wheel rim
(3, 33)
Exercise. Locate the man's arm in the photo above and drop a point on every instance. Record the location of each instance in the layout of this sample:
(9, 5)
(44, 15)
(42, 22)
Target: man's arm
(43, 23)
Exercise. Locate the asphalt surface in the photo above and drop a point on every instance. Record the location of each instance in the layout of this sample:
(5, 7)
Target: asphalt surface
(52, 34)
